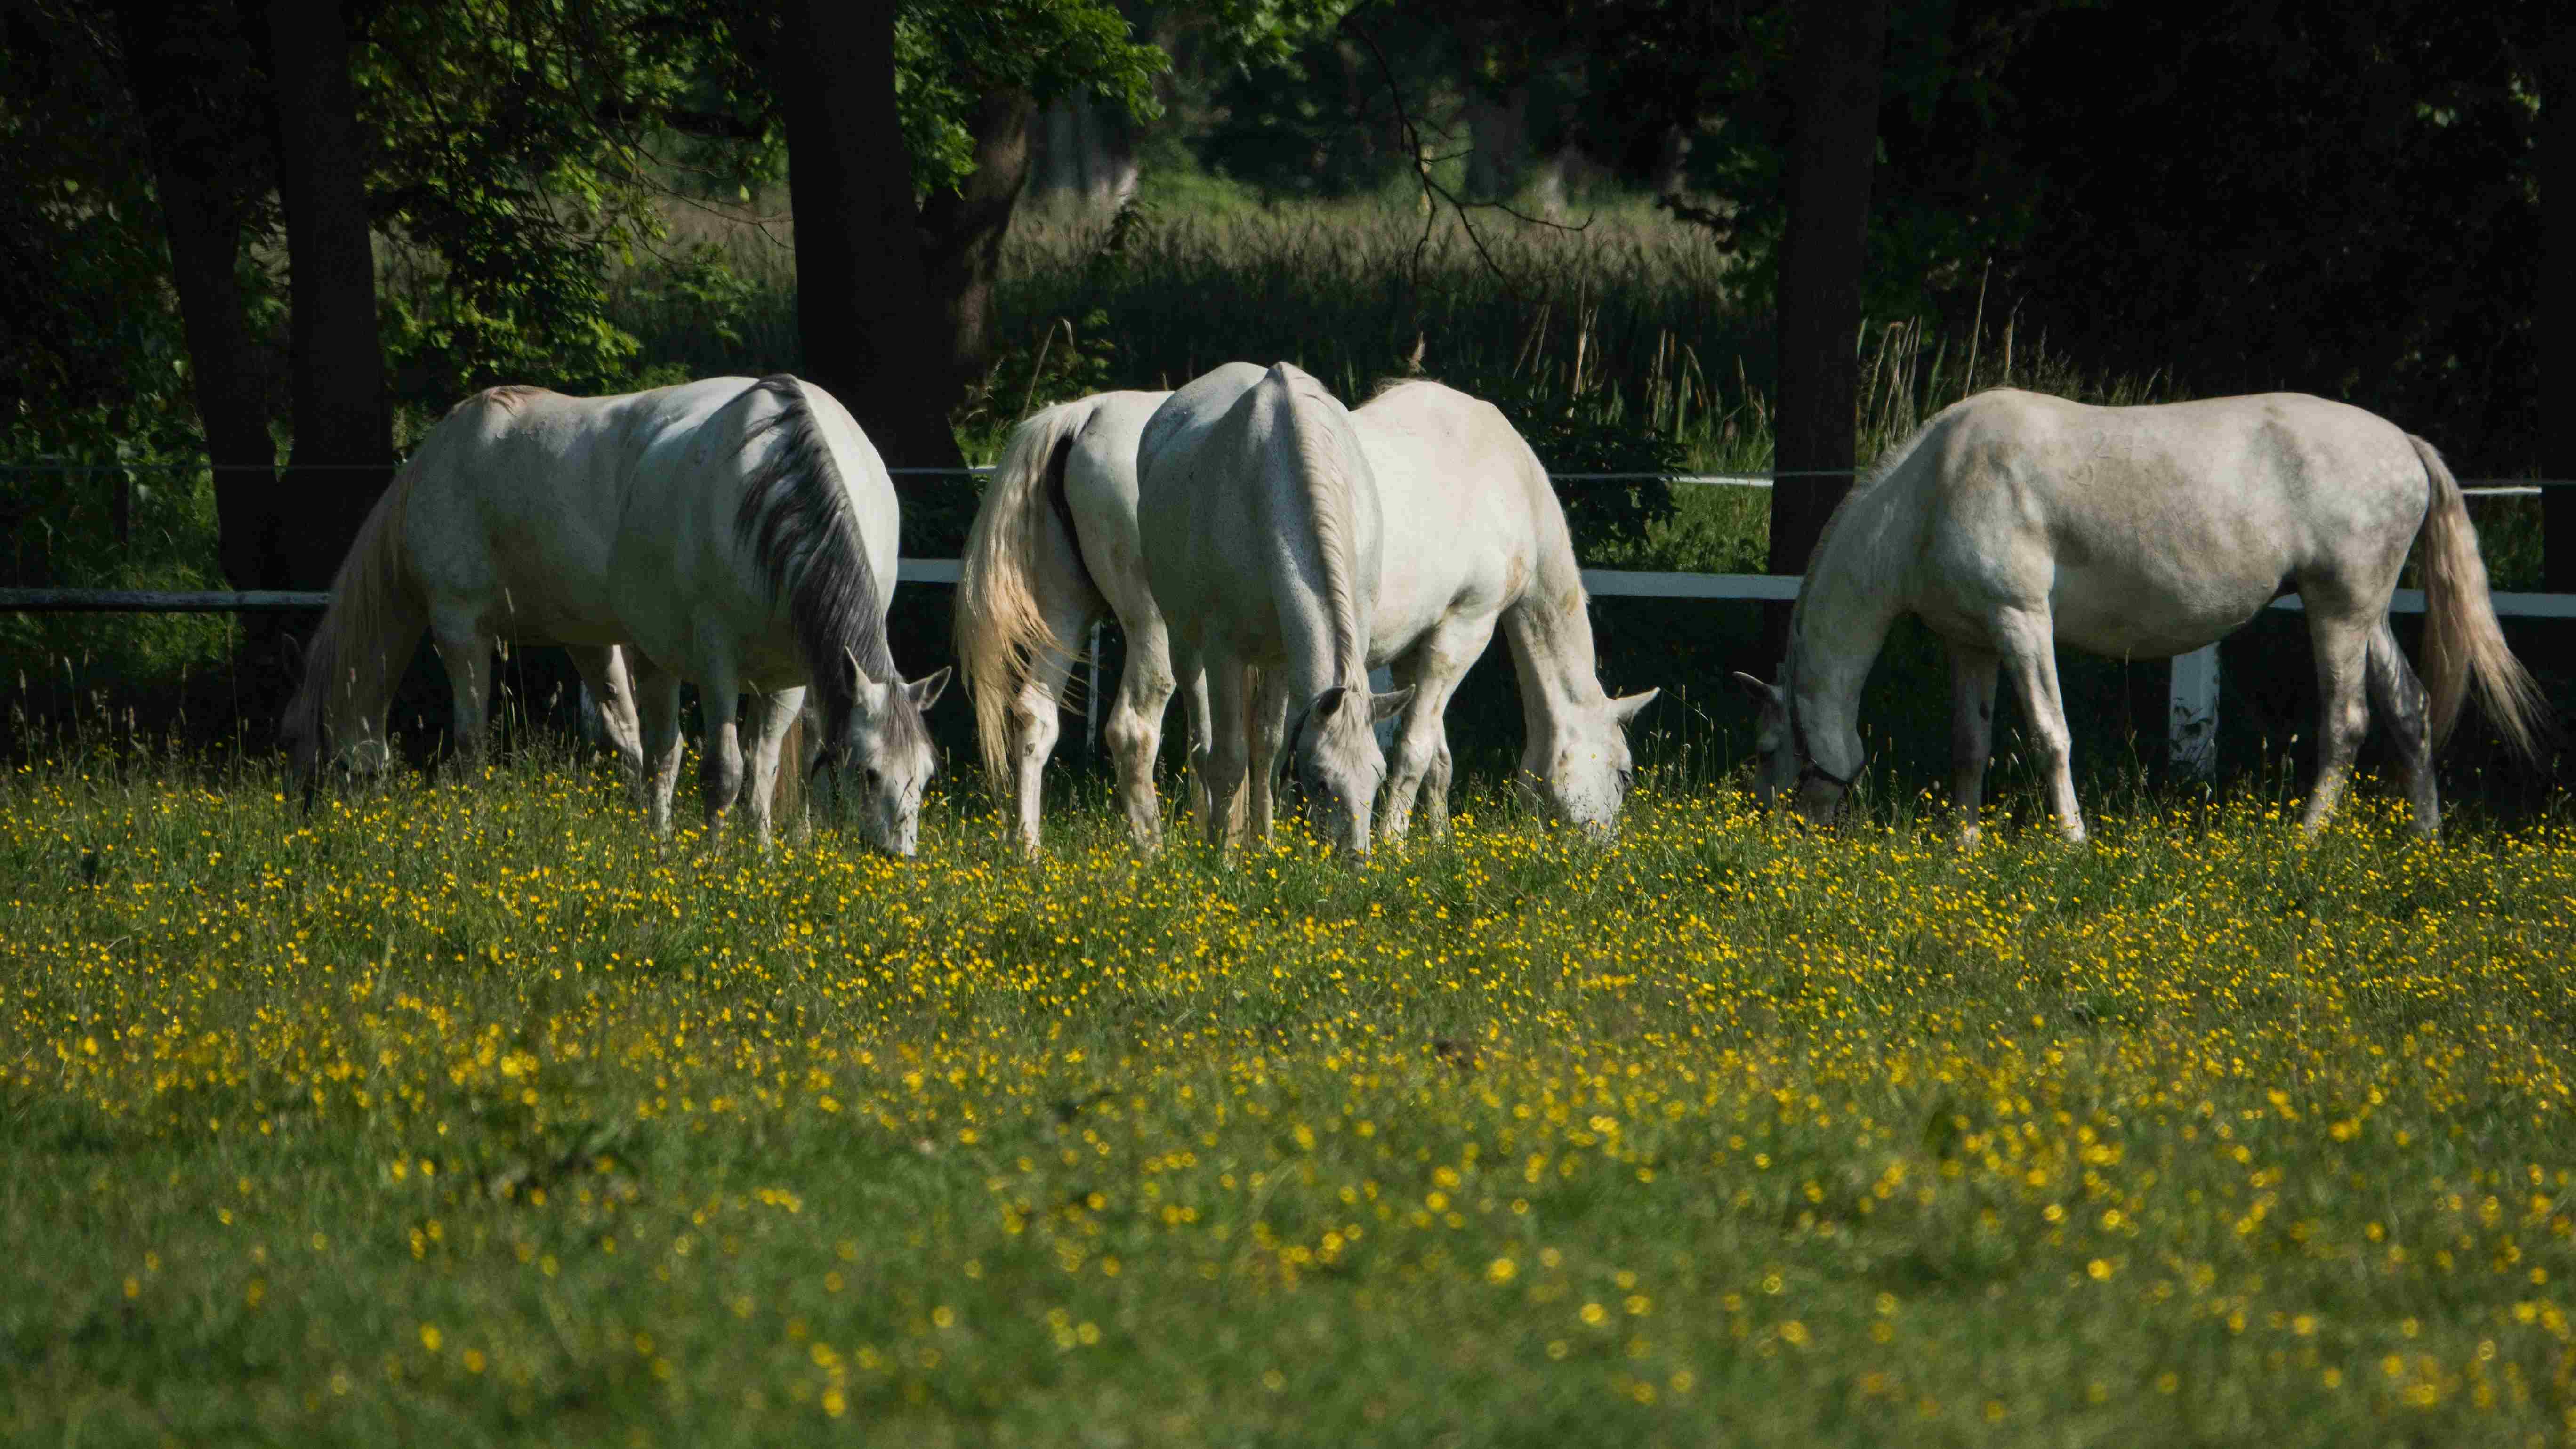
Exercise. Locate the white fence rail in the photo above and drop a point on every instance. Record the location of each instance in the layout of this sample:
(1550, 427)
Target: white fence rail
(2194, 690)
(2192, 724)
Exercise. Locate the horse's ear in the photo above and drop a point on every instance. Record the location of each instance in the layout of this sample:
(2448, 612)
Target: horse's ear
(1624, 710)
(859, 681)
(926, 692)
(1761, 690)
(1329, 701)
(1384, 707)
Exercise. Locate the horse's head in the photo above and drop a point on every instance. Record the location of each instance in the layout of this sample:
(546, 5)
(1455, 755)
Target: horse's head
(880, 758)
(1579, 768)
(328, 731)
(1334, 758)
(1782, 764)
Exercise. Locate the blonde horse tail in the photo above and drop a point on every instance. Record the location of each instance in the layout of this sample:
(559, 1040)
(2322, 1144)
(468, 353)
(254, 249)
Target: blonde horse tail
(2463, 643)
(1001, 630)
(370, 614)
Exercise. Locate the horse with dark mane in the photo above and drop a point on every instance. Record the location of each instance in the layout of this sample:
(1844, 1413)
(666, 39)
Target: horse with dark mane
(739, 534)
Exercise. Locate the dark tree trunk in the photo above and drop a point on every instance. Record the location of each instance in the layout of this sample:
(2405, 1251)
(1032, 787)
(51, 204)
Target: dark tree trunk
(1839, 48)
(343, 421)
(2558, 305)
(961, 237)
(190, 70)
(863, 302)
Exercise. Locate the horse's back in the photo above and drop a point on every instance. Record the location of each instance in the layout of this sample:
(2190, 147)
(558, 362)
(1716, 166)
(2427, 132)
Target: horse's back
(1241, 476)
(2148, 527)
(1464, 505)
(1100, 470)
(515, 502)
(1100, 492)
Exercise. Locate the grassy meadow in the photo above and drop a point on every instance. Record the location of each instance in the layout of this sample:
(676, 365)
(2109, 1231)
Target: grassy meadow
(462, 1114)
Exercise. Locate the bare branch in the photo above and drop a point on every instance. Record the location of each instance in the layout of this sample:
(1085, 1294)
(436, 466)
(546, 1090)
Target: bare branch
(1432, 190)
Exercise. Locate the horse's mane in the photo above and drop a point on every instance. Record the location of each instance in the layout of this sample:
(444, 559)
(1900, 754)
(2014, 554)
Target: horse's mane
(1862, 487)
(796, 520)
(347, 651)
(1324, 463)
(1385, 385)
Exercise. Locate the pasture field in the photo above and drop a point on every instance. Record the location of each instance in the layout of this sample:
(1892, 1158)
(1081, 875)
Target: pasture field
(464, 1115)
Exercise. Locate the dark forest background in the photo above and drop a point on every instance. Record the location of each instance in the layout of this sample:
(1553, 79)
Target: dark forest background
(271, 242)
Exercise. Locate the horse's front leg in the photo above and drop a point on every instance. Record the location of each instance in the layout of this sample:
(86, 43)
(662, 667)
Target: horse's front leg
(772, 716)
(720, 772)
(1191, 676)
(1268, 735)
(1434, 669)
(1972, 733)
(603, 669)
(465, 647)
(657, 711)
(1225, 753)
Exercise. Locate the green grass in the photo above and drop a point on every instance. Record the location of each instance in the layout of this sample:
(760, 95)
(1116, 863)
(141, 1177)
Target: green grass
(465, 1115)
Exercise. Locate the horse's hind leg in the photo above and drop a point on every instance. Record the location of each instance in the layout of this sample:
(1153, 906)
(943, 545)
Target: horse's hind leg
(2029, 640)
(2397, 697)
(1035, 723)
(1972, 733)
(2342, 647)
(657, 711)
(603, 669)
(1136, 728)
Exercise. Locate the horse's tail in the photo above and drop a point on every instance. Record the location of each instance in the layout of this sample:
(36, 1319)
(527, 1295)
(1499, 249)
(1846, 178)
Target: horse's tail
(2462, 640)
(366, 633)
(1001, 630)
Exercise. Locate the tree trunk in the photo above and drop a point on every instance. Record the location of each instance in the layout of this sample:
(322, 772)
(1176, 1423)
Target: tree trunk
(1840, 45)
(1081, 154)
(2557, 303)
(186, 65)
(343, 420)
(863, 303)
(961, 237)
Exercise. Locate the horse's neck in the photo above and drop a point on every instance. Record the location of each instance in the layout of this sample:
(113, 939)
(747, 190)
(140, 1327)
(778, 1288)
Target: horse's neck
(1551, 639)
(1845, 609)
(1320, 653)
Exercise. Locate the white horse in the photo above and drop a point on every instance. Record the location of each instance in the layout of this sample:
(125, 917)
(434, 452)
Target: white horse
(1054, 548)
(1475, 535)
(1260, 524)
(730, 532)
(2012, 522)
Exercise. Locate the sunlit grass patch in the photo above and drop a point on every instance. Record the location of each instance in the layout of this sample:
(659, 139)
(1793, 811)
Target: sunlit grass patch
(467, 1112)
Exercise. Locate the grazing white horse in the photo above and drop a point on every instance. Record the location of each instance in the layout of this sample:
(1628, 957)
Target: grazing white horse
(730, 532)
(1474, 532)
(2012, 522)
(1475, 537)
(1053, 548)
(1260, 524)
